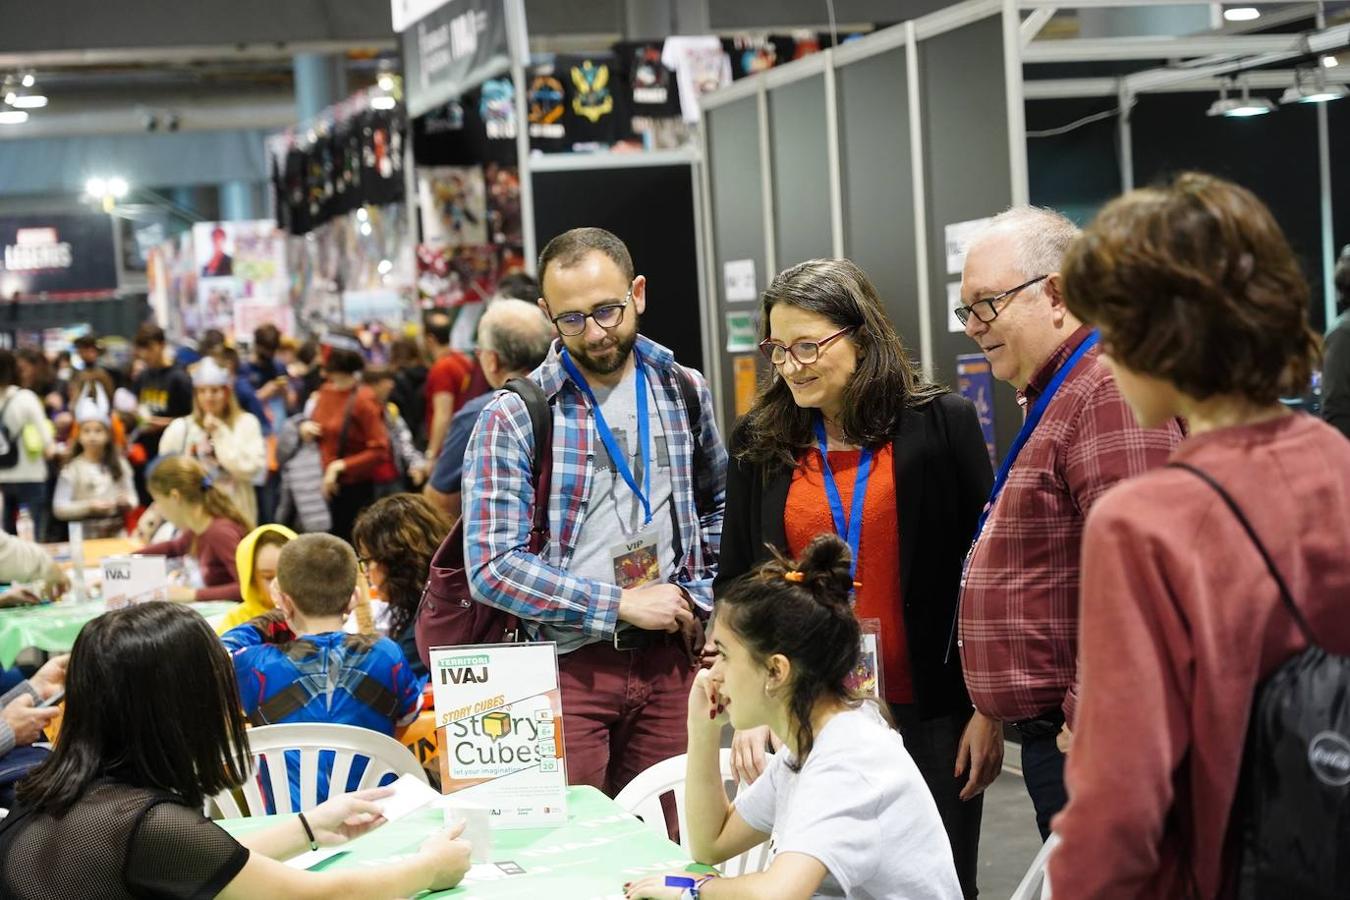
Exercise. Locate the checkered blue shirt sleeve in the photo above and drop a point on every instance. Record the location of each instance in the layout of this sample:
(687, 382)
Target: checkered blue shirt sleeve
(499, 501)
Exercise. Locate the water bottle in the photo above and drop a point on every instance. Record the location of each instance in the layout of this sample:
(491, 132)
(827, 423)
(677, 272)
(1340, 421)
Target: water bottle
(24, 526)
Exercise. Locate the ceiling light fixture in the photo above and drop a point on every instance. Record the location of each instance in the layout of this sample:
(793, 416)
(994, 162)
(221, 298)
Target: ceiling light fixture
(27, 101)
(29, 79)
(13, 117)
(1310, 86)
(1245, 108)
(383, 101)
(1330, 62)
(1241, 13)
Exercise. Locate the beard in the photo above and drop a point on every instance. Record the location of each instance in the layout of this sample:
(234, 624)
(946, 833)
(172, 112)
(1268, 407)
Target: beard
(608, 358)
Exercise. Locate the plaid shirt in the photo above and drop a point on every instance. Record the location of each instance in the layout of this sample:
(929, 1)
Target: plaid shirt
(1019, 598)
(499, 500)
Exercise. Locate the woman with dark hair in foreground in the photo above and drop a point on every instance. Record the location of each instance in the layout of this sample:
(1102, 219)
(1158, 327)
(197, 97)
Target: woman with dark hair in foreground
(119, 803)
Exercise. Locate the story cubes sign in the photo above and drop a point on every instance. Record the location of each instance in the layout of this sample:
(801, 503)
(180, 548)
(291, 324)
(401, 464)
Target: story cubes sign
(499, 717)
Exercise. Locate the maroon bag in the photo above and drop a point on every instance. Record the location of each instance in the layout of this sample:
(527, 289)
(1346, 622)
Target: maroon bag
(448, 615)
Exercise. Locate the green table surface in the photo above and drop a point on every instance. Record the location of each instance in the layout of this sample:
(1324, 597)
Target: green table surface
(54, 626)
(589, 858)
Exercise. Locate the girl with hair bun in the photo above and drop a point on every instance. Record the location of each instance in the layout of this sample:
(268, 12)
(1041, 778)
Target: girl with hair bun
(210, 527)
(848, 812)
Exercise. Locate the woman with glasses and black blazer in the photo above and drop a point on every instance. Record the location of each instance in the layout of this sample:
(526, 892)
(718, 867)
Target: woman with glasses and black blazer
(848, 438)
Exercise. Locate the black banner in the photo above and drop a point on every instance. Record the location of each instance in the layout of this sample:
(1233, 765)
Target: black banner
(454, 48)
(56, 254)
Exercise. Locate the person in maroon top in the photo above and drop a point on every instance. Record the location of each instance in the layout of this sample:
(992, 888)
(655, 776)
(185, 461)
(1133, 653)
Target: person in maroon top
(1203, 311)
(210, 527)
(448, 383)
(1018, 633)
(348, 422)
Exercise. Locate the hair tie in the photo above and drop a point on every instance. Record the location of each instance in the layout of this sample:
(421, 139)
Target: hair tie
(207, 483)
(794, 576)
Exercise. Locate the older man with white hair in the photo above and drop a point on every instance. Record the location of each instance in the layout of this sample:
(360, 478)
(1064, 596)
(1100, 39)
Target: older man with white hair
(1019, 599)
(513, 339)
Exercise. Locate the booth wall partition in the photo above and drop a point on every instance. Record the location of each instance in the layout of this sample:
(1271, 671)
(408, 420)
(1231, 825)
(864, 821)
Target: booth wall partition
(868, 151)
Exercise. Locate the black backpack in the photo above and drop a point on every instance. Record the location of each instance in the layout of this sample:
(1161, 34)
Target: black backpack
(1292, 810)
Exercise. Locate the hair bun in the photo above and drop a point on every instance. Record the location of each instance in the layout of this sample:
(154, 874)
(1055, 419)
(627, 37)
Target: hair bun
(826, 565)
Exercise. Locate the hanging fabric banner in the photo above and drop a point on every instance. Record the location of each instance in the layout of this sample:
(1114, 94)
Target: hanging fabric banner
(452, 48)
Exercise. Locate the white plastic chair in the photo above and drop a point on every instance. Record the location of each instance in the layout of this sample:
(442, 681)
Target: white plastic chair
(349, 743)
(1035, 885)
(642, 797)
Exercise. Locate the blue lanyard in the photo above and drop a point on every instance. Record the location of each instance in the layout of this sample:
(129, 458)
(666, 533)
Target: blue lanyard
(1033, 419)
(849, 529)
(618, 456)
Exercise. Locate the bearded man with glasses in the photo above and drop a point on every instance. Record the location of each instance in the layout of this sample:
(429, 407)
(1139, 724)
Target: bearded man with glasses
(624, 583)
(1018, 612)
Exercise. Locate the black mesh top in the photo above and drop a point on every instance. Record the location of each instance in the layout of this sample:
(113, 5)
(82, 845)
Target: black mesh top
(117, 842)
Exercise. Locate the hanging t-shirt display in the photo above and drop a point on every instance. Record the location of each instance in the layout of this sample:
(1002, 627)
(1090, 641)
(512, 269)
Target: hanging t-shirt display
(701, 66)
(547, 101)
(752, 54)
(382, 158)
(596, 113)
(496, 105)
(652, 90)
(503, 191)
(442, 137)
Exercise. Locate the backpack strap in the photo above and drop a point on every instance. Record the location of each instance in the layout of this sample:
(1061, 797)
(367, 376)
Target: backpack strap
(1285, 596)
(541, 419)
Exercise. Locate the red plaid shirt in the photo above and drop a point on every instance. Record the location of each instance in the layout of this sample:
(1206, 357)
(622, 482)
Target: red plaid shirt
(1019, 599)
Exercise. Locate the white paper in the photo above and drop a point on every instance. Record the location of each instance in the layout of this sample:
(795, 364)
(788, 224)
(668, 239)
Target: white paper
(134, 579)
(410, 795)
(311, 858)
(953, 301)
(958, 235)
(738, 275)
(477, 827)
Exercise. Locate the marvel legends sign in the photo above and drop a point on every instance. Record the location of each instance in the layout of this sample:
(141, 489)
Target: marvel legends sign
(58, 254)
(452, 48)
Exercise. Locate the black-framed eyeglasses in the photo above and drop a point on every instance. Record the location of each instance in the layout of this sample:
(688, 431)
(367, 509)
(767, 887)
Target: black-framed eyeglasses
(607, 316)
(804, 352)
(986, 310)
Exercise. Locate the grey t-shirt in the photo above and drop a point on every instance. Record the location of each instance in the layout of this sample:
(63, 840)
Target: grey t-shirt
(614, 516)
(860, 807)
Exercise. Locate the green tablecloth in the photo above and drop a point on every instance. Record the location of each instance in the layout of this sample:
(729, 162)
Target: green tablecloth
(53, 626)
(589, 858)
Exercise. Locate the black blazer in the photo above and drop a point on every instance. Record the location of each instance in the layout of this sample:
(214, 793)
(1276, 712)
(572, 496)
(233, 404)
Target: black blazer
(942, 479)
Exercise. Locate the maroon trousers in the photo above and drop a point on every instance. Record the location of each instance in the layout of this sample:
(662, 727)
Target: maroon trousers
(623, 711)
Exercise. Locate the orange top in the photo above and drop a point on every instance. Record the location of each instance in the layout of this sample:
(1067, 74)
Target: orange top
(807, 514)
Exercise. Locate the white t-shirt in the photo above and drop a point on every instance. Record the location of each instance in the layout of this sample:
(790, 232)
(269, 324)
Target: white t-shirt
(701, 66)
(860, 807)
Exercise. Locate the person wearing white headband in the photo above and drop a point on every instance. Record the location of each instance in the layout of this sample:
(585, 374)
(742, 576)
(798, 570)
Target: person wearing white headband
(96, 486)
(224, 438)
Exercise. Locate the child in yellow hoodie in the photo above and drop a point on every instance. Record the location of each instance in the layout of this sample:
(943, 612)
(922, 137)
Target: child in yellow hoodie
(256, 559)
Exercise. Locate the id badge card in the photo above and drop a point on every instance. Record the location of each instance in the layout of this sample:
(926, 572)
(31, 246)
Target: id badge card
(636, 561)
(865, 680)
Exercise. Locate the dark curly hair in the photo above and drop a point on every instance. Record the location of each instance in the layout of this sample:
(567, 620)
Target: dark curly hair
(884, 383)
(810, 621)
(401, 533)
(1195, 283)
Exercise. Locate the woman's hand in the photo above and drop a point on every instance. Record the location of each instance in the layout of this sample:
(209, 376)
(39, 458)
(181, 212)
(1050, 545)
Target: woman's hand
(51, 677)
(330, 478)
(654, 887)
(347, 816)
(748, 747)
(707, 706)
(179, 593)
(449, 856)
(310, 431)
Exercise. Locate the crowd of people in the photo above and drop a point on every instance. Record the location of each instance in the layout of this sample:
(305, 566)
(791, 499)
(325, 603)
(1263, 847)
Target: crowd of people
(1162, 535)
